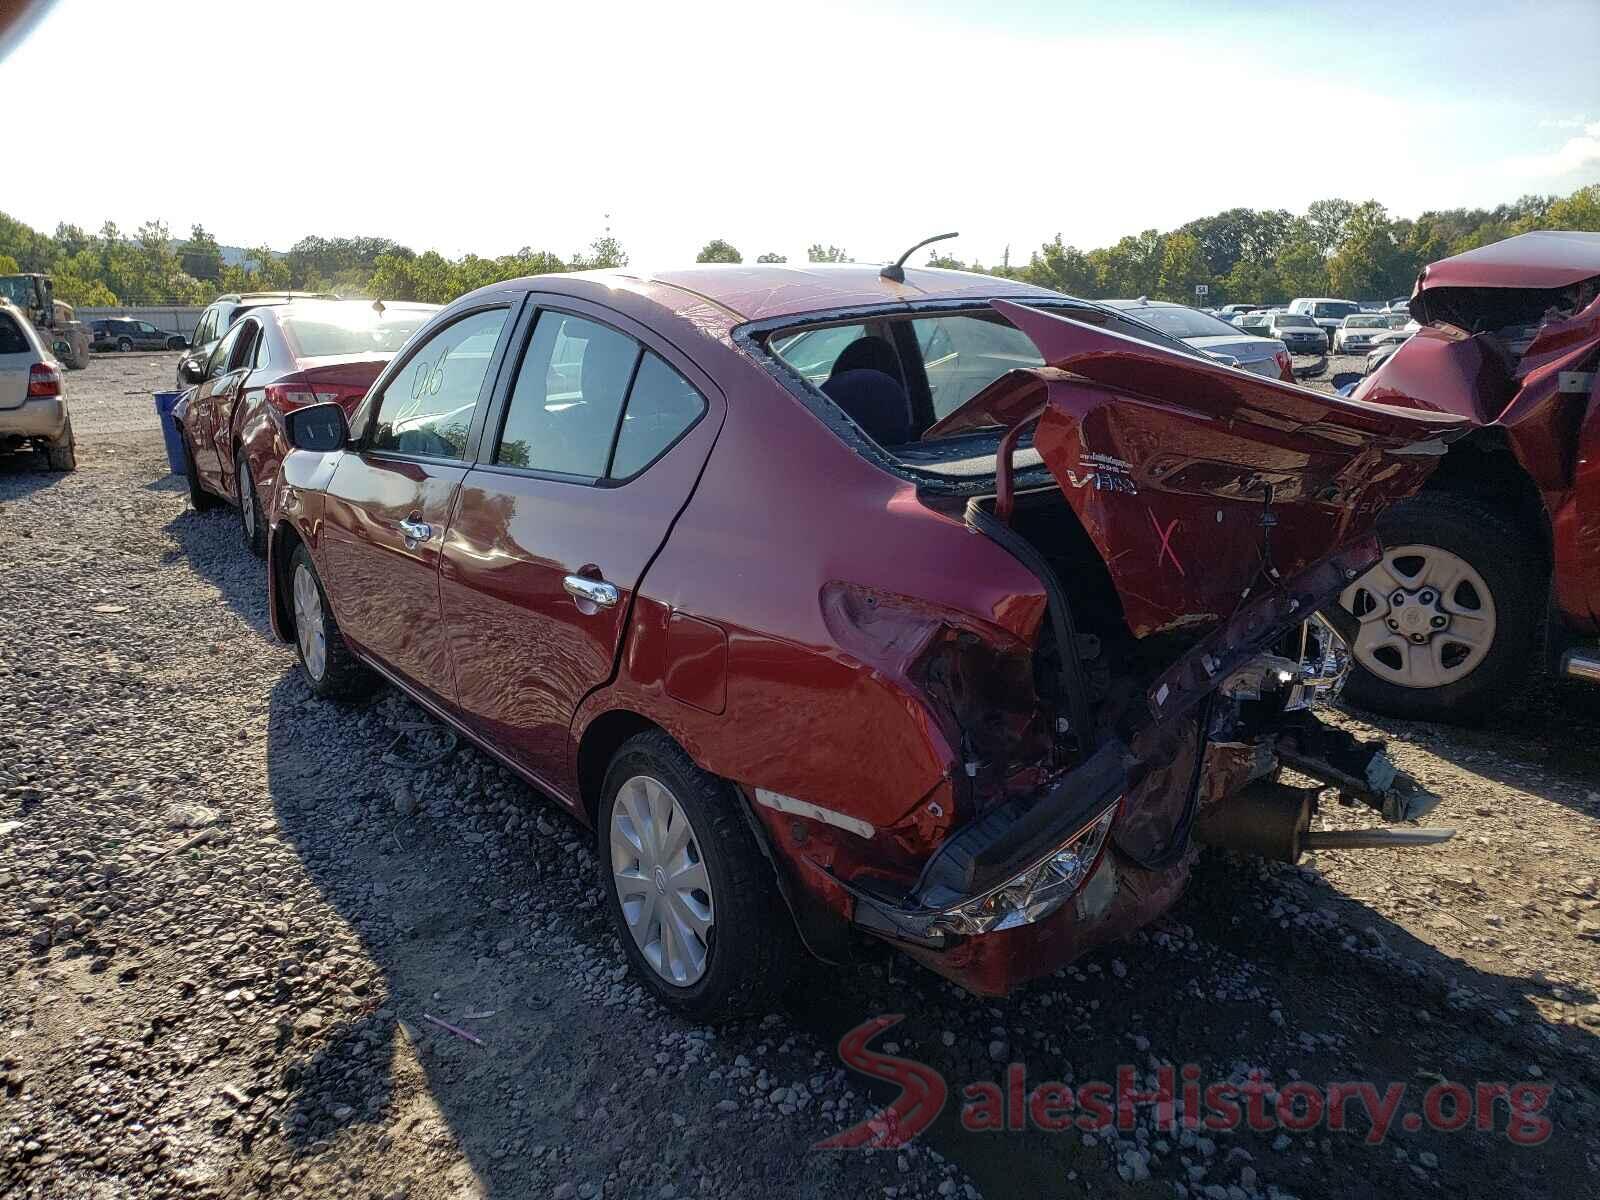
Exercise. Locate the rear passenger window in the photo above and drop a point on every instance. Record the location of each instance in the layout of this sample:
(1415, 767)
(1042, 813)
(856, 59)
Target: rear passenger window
(568, 396)
(427, 409)
(661, 406)
(11, 339)
(567, 413)
(814, 351)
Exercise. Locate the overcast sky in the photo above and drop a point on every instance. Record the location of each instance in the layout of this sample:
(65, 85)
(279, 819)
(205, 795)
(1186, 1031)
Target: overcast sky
(486, 127)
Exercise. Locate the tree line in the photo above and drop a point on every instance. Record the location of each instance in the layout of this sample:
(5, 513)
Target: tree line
(1245, 255)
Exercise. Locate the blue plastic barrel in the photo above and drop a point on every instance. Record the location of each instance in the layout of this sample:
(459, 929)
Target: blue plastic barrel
(169, 430)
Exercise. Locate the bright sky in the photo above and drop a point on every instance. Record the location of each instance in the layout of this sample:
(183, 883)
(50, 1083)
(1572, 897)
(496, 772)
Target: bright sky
(485, 127)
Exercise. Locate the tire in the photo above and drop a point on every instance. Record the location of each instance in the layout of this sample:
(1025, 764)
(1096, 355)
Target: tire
(62, 454)
(252, 522)
(325, 661)
(199, 499)
(748, 946)
(125, 345)
(1458, 680)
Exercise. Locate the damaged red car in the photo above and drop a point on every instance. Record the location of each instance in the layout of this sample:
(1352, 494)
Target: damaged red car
(1495, 565)
(854, 608)
(275, 358)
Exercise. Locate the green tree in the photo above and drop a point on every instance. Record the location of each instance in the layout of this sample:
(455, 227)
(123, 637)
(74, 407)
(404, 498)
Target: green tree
(1061, 267)
(1183, 268)
(200, 256)
(1253, 281)
(1324, 224)
(818, 253)
(9, 265)
(1301, 269)
(604, 251)
(772, 258)
(718, 251)
(1370, 261)
(1581, 210)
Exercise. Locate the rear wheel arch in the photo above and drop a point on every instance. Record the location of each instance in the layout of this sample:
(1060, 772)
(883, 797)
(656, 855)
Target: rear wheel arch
(602, 737)
(285, 540)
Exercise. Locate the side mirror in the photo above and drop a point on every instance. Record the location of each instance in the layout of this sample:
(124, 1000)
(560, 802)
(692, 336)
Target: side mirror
(192, 370)
(318, 427)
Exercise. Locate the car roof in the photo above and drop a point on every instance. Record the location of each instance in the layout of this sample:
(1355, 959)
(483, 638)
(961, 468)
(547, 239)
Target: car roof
(1549, 258)
(766, 291)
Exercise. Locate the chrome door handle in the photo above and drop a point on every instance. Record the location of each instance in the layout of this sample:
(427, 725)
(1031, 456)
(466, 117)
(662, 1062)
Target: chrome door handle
(595, 591)
(416, 532)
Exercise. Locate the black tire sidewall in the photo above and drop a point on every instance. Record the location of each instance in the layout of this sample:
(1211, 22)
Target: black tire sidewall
(256, 541)
(124, 346)
(1481, 536)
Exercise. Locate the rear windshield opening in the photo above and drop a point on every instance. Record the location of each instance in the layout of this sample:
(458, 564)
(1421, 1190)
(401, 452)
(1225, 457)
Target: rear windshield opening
(319, 332)
(898, 374)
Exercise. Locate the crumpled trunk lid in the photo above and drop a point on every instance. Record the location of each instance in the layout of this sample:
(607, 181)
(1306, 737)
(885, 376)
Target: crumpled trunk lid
(1199, 483)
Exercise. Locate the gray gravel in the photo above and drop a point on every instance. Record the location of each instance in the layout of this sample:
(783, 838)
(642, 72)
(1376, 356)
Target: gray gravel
(231, 921)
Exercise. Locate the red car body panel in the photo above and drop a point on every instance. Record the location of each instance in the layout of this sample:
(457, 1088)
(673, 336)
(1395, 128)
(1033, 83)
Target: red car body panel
(782, 594)
(1551, 430)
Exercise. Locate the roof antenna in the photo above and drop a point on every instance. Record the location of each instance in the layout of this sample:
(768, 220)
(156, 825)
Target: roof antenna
(896, 271)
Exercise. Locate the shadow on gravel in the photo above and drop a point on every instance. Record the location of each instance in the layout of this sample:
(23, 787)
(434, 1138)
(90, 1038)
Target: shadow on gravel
(213, 546)
(168, 483)
(1551, 727)
(23, 472)
(470, 906)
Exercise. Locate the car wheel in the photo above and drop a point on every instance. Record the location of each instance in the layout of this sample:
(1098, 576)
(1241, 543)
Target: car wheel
(124, 344)
(329, 666)
(199, 499)
(692, 897)
(62, 454)
(251, 523)
(1448, 620)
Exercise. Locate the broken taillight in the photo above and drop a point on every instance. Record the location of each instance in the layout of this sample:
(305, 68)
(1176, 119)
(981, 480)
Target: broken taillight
(43, 380)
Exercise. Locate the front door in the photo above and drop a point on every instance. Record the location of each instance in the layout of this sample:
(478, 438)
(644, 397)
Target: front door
(389, 502)
(223, 376)
(594, 452)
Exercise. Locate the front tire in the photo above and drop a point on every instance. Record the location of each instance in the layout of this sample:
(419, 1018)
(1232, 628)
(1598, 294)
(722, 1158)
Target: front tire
(251, 523)
(329, 666)
(125, 345)
(199, 499)
(1449, 619)
(691, 896)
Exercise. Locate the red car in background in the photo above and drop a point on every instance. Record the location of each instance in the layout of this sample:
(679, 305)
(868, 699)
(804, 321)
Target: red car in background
(1499, 555)
(276, 358)
(853, 607)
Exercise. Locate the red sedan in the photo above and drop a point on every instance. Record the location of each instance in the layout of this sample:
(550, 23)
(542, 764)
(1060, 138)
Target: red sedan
(847, 607)
(274, 359)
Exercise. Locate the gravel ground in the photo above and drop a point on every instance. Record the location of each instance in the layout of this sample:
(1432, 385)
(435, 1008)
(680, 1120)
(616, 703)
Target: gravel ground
(231, 909)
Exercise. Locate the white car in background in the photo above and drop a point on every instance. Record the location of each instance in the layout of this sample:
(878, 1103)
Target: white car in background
(33, 407)
(1327, 311)
(1359, 332)
(1212, 336)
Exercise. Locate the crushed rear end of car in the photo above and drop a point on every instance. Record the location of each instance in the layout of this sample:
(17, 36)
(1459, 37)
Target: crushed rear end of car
(1197, 522)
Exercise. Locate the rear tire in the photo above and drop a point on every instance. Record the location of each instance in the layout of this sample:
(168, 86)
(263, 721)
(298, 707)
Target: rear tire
(252, 524)
(125, 345)
(62, 454)
(1464, 531)
(741, 940)
(327, 663)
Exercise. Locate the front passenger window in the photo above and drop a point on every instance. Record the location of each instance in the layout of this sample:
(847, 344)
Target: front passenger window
(427, 409)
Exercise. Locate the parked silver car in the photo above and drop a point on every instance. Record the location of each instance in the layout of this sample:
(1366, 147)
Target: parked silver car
(1211, 335)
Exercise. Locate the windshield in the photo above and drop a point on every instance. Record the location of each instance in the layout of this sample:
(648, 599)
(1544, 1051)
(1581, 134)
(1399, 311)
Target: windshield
(1294, 319)
(1365, 323)
(19, 290)
(1182, 322)
(316, 331)
(1397, 320)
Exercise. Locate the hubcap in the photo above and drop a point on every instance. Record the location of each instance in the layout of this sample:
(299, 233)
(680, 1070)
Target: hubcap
(247, 499)
(1427, 618)
(312, 638)
(661, 880)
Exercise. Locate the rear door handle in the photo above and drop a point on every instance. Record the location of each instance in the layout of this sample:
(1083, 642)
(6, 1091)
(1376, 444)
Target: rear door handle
(595, 591)
(416, 532)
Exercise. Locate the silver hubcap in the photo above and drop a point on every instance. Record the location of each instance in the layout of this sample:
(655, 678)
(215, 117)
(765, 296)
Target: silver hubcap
(661, 880)
(1427, 618)
(247, 499)
(309, 633)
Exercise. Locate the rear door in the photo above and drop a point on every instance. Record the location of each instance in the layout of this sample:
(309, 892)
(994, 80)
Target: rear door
(593, 450)
(389, 502)
(16, 361)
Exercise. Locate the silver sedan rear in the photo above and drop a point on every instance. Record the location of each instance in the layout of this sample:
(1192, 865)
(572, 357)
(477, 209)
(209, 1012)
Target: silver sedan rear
(1210, 335)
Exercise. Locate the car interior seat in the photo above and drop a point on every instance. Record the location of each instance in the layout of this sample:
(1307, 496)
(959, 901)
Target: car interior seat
(867, 384)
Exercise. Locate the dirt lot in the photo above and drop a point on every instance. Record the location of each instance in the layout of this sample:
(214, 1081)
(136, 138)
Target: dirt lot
(227, 912)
